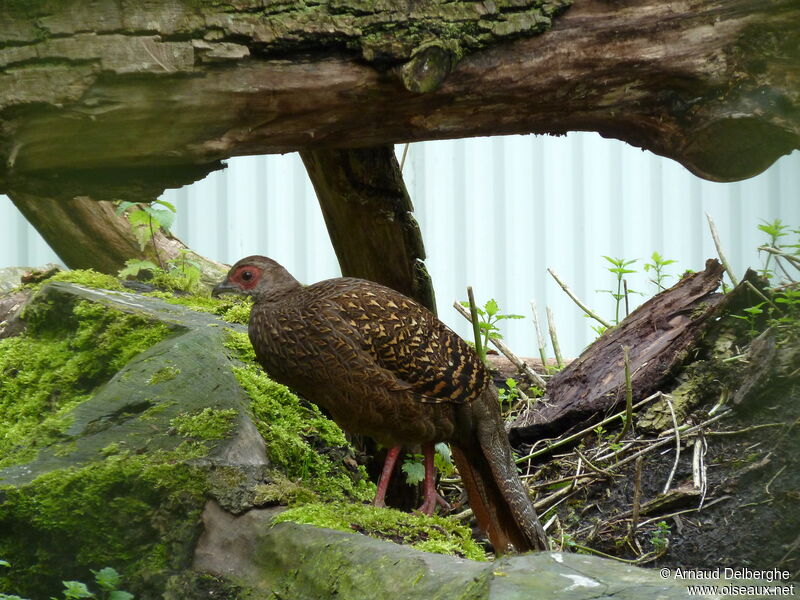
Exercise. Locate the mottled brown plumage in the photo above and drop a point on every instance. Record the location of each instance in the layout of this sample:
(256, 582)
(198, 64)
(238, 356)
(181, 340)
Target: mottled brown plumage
(384, 366)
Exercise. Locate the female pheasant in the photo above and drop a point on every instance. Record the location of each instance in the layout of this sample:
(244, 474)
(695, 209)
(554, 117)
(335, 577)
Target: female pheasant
(384, 366)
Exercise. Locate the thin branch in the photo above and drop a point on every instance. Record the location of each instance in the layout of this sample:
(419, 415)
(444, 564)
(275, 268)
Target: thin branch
(593, 467)
(794, 260)
(637, 497)
(664, 441)
(575, 299)
(551, 326)
(627, 304)
(677, 443)
(746, 429)
(403, 159)
(532, 375)
(539, 337)
(699, 473)
(476, 330)
(761, 295)
(626, 359)
(720, 253)
(583, 432)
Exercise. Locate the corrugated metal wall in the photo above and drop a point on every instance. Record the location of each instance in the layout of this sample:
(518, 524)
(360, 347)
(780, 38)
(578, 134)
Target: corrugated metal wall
(495, 213)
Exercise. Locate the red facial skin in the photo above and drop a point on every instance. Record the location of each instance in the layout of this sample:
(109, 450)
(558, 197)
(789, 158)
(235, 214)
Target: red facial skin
(246, 277)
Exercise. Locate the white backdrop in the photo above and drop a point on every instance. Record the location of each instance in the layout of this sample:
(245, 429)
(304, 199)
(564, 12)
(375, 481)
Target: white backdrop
(494, 213)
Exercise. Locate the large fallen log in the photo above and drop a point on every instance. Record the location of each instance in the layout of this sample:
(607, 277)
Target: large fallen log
(661, 335)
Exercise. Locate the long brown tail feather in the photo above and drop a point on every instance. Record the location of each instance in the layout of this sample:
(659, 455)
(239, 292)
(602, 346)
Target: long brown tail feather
(496, 494)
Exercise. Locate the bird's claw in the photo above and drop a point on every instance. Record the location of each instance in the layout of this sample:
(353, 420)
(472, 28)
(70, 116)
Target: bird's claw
(429, 505)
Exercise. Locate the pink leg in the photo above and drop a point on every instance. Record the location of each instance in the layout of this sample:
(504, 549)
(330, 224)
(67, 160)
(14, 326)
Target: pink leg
(430, 497)
(386, 475)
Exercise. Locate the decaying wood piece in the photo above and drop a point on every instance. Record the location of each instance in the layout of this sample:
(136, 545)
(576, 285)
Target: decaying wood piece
(368, 213)
(661, 334)
(88, 234)
(149, 88)
(769, 366)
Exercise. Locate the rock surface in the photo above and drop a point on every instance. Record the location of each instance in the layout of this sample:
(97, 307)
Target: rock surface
(158, 473)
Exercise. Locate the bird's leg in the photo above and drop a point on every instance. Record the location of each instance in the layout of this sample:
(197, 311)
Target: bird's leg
(430, 496)
(386, 475)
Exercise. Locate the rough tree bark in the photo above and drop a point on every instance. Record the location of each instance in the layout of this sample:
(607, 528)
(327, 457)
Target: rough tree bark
(88, 88)
(368, 213)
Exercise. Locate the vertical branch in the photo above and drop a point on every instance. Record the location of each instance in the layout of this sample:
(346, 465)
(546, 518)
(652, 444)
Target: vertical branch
(369, 216)
(551, 326)
(476, 329)
(539, 337)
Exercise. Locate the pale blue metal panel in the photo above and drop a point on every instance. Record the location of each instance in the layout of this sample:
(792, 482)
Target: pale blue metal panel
(495, 214)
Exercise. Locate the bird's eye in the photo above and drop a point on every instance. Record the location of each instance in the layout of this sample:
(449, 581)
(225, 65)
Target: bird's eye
(247, 275)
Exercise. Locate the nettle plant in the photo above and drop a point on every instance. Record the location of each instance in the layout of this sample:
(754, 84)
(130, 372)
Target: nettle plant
(107, 581)
(180, 273)
(414, 468)
(658, 267)
(619, 268)
(488, 317)
(780, 264)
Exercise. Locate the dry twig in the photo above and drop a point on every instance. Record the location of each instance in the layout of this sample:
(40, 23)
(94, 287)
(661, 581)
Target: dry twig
(551, 326)
(720, 253)
(677, 443)
(575, 299)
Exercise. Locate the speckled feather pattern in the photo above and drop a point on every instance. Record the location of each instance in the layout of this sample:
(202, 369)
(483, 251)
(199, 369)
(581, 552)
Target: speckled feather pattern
(380, 363)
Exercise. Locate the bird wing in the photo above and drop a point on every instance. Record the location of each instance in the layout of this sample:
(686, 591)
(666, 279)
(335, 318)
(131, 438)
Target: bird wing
(421, 353)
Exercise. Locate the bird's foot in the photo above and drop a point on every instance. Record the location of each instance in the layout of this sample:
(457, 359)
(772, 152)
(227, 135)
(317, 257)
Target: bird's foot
(430, 503)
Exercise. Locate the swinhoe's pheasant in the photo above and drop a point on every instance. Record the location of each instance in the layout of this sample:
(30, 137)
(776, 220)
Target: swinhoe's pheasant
(384, 366)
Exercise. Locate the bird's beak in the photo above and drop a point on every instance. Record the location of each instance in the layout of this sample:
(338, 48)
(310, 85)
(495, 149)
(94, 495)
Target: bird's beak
(225, 287)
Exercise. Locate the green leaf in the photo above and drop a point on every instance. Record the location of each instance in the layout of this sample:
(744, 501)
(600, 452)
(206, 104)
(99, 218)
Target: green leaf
(107, 578)
(491, 307)
(4, 563)
(499, 317)
(76, 589)
(134, 266)
(139, 217)
(165, 204)
(414, 470)
(123, 206)
(443, 450)
(120, 595)
(163, 218)
(142, 235)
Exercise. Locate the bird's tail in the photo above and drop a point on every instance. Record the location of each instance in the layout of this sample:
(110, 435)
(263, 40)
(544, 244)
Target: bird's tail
(496, 494)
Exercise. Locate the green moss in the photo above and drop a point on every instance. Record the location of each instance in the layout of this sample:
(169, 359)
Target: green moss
(429, 534)
(67, 352)
(164, 374)
(206, 424)
(239, 343)
(136, 512)
(301, 442)
(234, 309)
(88, 278)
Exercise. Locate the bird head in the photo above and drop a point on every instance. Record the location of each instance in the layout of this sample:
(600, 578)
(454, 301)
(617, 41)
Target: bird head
(256, 276)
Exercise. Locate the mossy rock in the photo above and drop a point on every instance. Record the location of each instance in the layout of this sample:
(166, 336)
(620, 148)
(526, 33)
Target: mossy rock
(122, 416)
